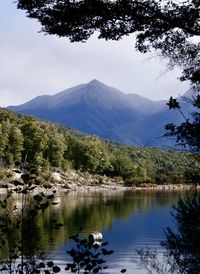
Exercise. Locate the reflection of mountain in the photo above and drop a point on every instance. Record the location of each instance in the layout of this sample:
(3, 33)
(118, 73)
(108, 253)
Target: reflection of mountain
(96, 108)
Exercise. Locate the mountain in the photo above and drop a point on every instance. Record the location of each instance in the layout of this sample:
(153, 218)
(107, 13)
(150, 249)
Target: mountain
(96, 108)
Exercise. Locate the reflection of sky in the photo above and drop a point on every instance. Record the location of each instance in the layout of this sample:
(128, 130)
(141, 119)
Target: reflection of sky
(139, 230)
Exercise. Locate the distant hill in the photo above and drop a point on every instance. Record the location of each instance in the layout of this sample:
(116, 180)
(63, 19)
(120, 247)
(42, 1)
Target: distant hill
(96, 108)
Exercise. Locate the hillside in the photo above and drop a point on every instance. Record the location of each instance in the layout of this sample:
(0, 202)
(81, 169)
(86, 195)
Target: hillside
(48, 146)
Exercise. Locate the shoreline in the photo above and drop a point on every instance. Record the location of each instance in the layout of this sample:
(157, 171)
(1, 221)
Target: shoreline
(77, 187)
(107, 187)
(84, 181)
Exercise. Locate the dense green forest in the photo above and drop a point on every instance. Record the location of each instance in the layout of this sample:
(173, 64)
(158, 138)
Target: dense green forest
(47, 145)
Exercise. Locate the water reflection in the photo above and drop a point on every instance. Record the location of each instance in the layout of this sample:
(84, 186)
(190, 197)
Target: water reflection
(127, 220)
(99, 210)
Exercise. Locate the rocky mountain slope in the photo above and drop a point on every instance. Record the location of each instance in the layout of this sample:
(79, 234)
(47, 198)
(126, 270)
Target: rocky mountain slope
(96, 108)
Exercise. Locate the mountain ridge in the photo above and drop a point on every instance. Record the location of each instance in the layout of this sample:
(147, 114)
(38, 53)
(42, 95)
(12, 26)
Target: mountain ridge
(96, 108)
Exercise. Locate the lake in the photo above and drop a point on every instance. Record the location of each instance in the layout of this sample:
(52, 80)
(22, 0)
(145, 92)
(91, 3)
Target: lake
(127, 220)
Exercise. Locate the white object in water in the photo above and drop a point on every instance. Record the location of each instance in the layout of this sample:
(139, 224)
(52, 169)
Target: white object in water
(95, 237)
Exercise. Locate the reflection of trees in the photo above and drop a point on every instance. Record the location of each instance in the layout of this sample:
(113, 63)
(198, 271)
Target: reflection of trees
(97, 211)
(91, 210)
(20, 234)
(182, 246)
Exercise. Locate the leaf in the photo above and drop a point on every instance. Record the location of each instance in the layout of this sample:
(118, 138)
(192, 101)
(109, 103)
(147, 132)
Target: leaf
(96, 270)
(33, 212)
(17, 183)
(24, 191)
(47, 186)
(50, 264)
(41, 265)
(38, 198)
(56, 269)
(104, 243)
(84, 241)
(173, 103)
(101, 261)
(170, 127)
(50, 197)
(106, 252)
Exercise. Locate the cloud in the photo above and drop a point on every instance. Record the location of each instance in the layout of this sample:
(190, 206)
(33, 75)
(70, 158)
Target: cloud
(33, 63)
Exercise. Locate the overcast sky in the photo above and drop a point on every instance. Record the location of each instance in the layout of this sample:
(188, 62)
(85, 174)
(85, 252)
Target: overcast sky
(34, 64)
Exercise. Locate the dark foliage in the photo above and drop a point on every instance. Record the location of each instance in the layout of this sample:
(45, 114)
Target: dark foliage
(166, 26)
(187, 134)
(21, 246)
(88, 256)
(183, 245)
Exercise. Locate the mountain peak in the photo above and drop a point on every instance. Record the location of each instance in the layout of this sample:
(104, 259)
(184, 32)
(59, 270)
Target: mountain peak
(95, 82)
(99, 109)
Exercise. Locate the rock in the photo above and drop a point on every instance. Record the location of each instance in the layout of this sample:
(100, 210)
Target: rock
(56, 176)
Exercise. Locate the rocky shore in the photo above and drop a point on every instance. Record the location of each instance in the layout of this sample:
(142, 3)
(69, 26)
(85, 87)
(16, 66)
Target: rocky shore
(83, 181)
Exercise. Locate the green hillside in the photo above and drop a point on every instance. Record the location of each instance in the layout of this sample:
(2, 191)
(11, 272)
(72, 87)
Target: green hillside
(47, 145)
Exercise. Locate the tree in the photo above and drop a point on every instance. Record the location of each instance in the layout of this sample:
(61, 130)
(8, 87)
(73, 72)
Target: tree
(123, 166)
(16, 144)
(21, 246)
(55, 147)
(188, 133)
(89, 154)
(35, 140)
(182, 246)
(166, 26)
(4, 139)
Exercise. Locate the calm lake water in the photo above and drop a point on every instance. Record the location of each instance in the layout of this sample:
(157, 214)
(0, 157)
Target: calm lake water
(127, 220)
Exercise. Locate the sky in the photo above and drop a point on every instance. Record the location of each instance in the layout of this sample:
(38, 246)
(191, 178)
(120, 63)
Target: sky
(33, 64)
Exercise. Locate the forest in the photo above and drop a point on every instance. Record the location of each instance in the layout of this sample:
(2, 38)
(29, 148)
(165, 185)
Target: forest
(49, 146)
